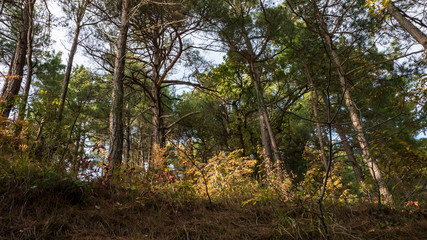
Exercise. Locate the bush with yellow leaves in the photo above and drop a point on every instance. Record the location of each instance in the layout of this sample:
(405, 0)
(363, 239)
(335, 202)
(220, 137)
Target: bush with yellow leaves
(311, 186)
(227, 175)
(278, 179)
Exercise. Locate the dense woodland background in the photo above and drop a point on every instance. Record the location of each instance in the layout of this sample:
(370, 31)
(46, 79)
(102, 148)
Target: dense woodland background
(312, 126)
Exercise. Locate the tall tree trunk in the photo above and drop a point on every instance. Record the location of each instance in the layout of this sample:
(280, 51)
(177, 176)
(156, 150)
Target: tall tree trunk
(73, 51)
(226, 125)
(416, 33)
(350, 155)
(16, 71)
(240, 123)
(374, 168)
(314, 100)
(157, 137)
(77, 147)
(116, 124)
(140, 158)
(83, 138)
(241, 137)
(30, 37)
(127, 135)
(268, 141)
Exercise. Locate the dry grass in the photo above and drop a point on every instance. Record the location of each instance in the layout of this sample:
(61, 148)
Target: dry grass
(63, 209)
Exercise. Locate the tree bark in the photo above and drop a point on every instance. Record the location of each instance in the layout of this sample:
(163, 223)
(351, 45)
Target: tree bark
(30, 37)
(16, 71)
(73, 51)
(140, 154)
(77, 145)
(240, 123)
(226, 125)
(241, 137)
(267, 138)
(416, 33)
(116, 124)
(314, 100)
(157, 137)
(374, 168)
(157, 120)
(127, 135)
(269, 145)
(350, 155)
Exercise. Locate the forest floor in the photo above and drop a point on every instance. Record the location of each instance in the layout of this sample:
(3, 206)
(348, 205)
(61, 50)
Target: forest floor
(63, 209)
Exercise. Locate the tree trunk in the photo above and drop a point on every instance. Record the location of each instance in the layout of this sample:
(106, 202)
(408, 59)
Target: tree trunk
(350, 155)
(416, 33)
(241, 137)
(140, 154)
(374, 168)
(267, 137)
(127, 135)
(314, 100)
(73, 51)
(157, 138)
(116, 124)
(226, 125)
(157, 119)
(77, 145)
(268, 141)
(30, 37)
(16, 71)
(240, 122)
(83, 139)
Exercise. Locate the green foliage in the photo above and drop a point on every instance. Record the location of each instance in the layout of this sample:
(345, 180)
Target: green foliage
(405, 165)
(49, 74)
(40, 181)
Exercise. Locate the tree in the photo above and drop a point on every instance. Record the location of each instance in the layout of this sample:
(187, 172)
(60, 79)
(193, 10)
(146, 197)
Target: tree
(79, 9)
(247, 29)
(411, 24)
(116, 124)
(351, 106)
(16, 72)
(41, 106)
(30, 36)
(157, 40)
(415, 32)
(212, 128)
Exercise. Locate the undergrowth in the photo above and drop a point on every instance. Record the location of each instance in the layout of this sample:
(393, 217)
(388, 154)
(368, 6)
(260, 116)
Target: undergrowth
(39, 203)
(181, 197)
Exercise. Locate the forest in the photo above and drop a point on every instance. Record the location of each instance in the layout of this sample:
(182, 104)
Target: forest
(213, 119)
